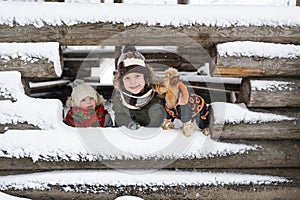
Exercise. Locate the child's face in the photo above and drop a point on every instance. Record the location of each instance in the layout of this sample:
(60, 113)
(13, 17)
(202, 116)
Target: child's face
(88, 103)
(134, 82)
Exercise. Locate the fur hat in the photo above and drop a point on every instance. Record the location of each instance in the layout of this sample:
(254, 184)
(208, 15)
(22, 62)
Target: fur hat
(132, 61)
(82, 91)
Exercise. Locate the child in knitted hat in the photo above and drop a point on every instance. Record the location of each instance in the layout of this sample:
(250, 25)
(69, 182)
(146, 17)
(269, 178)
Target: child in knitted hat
(135, 102)
(86, 108)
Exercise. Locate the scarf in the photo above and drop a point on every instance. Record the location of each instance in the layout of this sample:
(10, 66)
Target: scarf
(78, 117)
(136, 101)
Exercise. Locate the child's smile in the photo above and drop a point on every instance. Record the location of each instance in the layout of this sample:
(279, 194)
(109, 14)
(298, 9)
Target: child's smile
(134, 82)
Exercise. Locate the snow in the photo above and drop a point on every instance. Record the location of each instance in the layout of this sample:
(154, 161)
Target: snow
(273, 85)
(56, 141)
(92, 143)
(202, 2)
(260, 49)
(238, 113)
(244, 2)
(55, 14)
(4, 196)
(32, 52)
(128, 198)
(71, 180)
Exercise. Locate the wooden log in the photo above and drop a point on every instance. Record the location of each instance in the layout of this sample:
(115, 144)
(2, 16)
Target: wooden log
(166, 62)
(279, 92)
(40, 68)
(255, 66)
(81, 63)
(19, 126)
(98, 53)
(164, 192)
(271, 154)
(25, 58)
(108, 34)
(286, 129)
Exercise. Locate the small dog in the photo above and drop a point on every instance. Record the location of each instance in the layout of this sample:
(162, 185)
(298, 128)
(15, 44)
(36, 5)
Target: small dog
(181, 104)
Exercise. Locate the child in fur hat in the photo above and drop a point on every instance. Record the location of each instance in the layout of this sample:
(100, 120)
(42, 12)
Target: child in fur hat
(135, 102)
(86, 108)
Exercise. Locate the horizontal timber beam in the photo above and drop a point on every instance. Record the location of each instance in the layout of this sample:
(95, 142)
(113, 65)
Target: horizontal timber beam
(107, 34)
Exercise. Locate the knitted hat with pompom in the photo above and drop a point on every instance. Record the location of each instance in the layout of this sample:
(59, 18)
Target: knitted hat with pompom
(132, 61)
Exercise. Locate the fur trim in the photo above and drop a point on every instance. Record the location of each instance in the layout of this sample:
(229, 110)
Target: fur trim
(69, 102)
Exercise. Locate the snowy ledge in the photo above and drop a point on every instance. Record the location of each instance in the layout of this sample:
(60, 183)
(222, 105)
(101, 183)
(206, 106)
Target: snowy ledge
(239, 113)
(72, 181)
(260, 49)
(32, 53)
(224, 16)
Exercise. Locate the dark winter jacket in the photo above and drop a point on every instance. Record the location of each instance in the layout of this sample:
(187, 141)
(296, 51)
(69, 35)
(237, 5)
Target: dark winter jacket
(147, 111)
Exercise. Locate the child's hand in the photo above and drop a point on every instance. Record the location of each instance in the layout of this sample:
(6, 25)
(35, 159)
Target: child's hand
(134, 125)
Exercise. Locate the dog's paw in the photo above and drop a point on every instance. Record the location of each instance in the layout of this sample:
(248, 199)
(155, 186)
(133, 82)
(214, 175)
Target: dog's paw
(188, 128)
(205, 131)
(168, 125)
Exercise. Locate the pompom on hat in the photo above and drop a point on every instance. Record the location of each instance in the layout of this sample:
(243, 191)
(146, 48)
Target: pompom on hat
(132, 61)
(82, 91)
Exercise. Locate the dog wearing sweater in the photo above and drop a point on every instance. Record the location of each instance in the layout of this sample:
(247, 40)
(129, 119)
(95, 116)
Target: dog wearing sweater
(182, 104)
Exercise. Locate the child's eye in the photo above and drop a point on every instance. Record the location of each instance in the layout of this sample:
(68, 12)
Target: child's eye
(138, 76)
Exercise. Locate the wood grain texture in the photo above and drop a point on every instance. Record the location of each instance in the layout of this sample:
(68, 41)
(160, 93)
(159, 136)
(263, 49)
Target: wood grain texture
(41, 68)
(271, 154)
(285, 191)
(286, 96)
(106, 34)
(255, 66)
(269, 130)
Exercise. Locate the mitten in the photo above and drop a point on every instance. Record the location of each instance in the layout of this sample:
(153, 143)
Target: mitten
(133, 125)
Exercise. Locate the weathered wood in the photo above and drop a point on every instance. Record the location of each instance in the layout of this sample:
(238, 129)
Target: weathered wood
(19, 126)
(98, 53)
(107, 34)
(40, 68)
(26, 87)
(182, 1)
(76, 72)
(218, 86)
(268, 130)
(255, 66)
(279, 92)
(272, 154)
(285, 191)
(81, 62)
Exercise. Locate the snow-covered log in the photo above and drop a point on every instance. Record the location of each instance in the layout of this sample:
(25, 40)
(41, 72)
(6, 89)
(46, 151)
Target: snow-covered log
(32, 59)
(162, 185)
(97, 33)
(243, 59)
(119, 25)
(231, 121)
(270, 154)
(277, 92)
